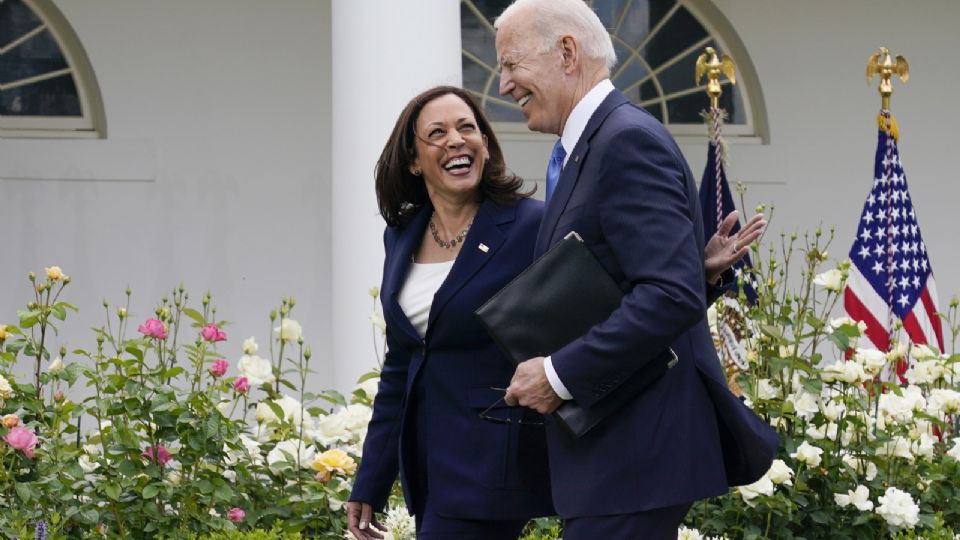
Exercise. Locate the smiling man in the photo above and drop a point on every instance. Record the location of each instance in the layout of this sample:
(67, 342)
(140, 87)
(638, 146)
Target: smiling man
(617, 178)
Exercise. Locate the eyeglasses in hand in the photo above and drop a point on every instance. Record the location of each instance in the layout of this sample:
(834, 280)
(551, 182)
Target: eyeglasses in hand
(485, 414)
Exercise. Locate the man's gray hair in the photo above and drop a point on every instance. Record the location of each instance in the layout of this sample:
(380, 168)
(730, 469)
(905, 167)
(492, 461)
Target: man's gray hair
(556, 18)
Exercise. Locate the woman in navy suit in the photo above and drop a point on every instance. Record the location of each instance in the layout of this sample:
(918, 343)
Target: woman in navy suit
(459, 227)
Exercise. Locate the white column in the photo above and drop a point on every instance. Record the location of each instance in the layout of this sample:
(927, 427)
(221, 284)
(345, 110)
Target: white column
(384, 53)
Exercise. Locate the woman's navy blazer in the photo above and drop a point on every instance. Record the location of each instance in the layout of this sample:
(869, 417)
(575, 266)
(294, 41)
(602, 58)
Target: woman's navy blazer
(475, 468)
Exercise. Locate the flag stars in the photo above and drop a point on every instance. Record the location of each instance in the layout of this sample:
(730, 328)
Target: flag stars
(877, 268)
(868, 217)
(916, 282)
(864, 252)
(904, 282)
(904, 300)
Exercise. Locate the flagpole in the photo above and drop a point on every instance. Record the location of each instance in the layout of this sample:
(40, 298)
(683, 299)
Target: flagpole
(709, 65)
(883, 64)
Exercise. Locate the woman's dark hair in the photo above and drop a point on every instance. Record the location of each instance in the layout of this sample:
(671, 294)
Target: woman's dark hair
(400, 194)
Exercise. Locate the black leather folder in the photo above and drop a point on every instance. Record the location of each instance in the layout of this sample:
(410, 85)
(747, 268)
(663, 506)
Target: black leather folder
(554, 301)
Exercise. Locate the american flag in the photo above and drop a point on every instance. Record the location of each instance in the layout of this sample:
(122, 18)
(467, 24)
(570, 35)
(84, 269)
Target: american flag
(891, 277)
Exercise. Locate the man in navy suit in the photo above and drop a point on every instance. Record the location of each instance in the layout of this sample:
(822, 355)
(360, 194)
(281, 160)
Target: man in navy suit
(618, 179)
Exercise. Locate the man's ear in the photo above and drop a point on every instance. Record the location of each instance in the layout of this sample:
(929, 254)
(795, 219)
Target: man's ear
(570, 53)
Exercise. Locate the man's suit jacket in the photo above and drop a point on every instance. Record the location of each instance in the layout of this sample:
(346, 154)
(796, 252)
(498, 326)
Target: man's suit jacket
(627, 190)
(476, 469)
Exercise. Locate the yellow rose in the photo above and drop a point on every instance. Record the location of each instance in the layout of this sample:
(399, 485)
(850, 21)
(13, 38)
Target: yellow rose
(335, 460)
(5, 389)
(11, 421)
(54, 273)
(3, 333)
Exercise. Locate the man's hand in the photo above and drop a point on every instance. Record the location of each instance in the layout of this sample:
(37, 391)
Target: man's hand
(530, 388)
(362, 523)
(725, 249)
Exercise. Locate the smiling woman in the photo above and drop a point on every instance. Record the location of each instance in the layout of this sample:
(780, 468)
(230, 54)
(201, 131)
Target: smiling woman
(458, 229)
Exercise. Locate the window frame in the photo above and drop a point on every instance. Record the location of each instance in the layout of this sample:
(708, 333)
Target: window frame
(92, 123)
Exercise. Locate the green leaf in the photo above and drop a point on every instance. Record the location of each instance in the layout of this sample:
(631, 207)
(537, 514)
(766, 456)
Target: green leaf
(72, 372)
(127, 468)
(112, 491)
(23, 491)
(90, 516)
(195, 315)
(368, 375)
(333, 397)
(151, 491)
(59, 312)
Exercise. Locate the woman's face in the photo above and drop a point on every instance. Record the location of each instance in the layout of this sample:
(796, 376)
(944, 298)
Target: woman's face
(451, 150)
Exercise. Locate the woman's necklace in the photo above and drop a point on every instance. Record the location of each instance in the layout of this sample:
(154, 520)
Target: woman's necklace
(452, 243)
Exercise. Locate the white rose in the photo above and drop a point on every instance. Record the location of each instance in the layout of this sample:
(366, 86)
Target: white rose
(913, 394)
(899, 352)
(92, 449)
(898, 509)
(5, 389)
(289, 330)
(943, 400)
(56, 366)
(896, 447)
(250, 347)
(780, 473)
(922, 352)
(925, 372)
(763, 486)
(872, 359)
(257, 370)
(766, 390)
(923, 448)
(87, 464)
(292, 410)
(861, 466)
(291, 451)
(807, 453)
(955, 451)
(264, 413)
(831, 280)
(845, 372)
(400, 523)
(859, 497)
(805, 403)
(688, 534)
(833, 409)
(370, 387)
(224, 408)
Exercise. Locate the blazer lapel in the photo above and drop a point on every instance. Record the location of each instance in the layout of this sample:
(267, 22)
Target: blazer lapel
(571, 172)
(399, 266)
(479, 247)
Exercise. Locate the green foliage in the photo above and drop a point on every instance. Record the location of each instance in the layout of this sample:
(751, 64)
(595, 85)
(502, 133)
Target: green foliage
(275, 533)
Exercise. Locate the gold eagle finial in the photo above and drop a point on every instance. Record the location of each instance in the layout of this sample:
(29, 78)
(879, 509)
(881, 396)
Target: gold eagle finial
(882, 63)
(710, 65)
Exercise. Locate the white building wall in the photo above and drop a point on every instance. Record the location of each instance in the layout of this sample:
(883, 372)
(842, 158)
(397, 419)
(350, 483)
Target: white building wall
(221, 110)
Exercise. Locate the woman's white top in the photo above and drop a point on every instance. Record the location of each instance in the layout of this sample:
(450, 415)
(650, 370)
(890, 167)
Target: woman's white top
(416, 296)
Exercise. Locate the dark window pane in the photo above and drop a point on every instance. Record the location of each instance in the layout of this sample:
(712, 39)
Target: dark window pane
(609, 12)
(477, 37)
(16, 19)
(53, 97)
(501, 113)
(686, 109)
(628, 73)
(681, 31)
(656, 111)
(36, 56)
(648, 90)
(732, 101)
(474, 76)
(680, 76)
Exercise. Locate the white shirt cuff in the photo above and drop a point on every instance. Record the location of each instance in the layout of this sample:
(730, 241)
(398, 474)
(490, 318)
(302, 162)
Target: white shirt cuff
(555, 381)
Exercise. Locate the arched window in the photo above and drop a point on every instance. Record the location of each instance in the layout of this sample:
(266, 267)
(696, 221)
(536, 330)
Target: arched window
(47, 86)
(657, 44)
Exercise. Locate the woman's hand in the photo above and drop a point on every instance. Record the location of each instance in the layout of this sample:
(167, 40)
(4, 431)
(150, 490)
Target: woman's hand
(362, 523)
(724, 250)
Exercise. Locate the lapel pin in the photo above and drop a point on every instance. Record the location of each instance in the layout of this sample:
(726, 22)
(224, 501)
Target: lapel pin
(484, 248)
(576, 159)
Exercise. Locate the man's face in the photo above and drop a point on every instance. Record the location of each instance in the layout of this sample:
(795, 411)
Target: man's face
(533, 78)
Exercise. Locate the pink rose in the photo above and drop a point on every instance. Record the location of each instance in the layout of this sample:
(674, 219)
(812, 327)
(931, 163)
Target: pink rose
(236, 515)
(241, 385)
(153, 328)
(22, 439)
(163, 456)
(219, 367)
(213, 333)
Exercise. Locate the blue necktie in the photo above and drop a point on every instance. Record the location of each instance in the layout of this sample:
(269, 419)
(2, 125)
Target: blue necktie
(554, 167)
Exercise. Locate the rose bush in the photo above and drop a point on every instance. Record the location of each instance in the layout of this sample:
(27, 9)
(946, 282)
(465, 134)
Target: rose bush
(181, 433)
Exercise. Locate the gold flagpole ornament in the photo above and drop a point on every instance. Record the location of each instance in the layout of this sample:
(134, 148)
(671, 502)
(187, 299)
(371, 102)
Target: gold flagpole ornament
(884, 64)
(710, 65)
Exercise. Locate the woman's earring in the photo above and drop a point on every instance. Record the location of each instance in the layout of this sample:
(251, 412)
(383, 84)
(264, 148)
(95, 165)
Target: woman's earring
(416, 172)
